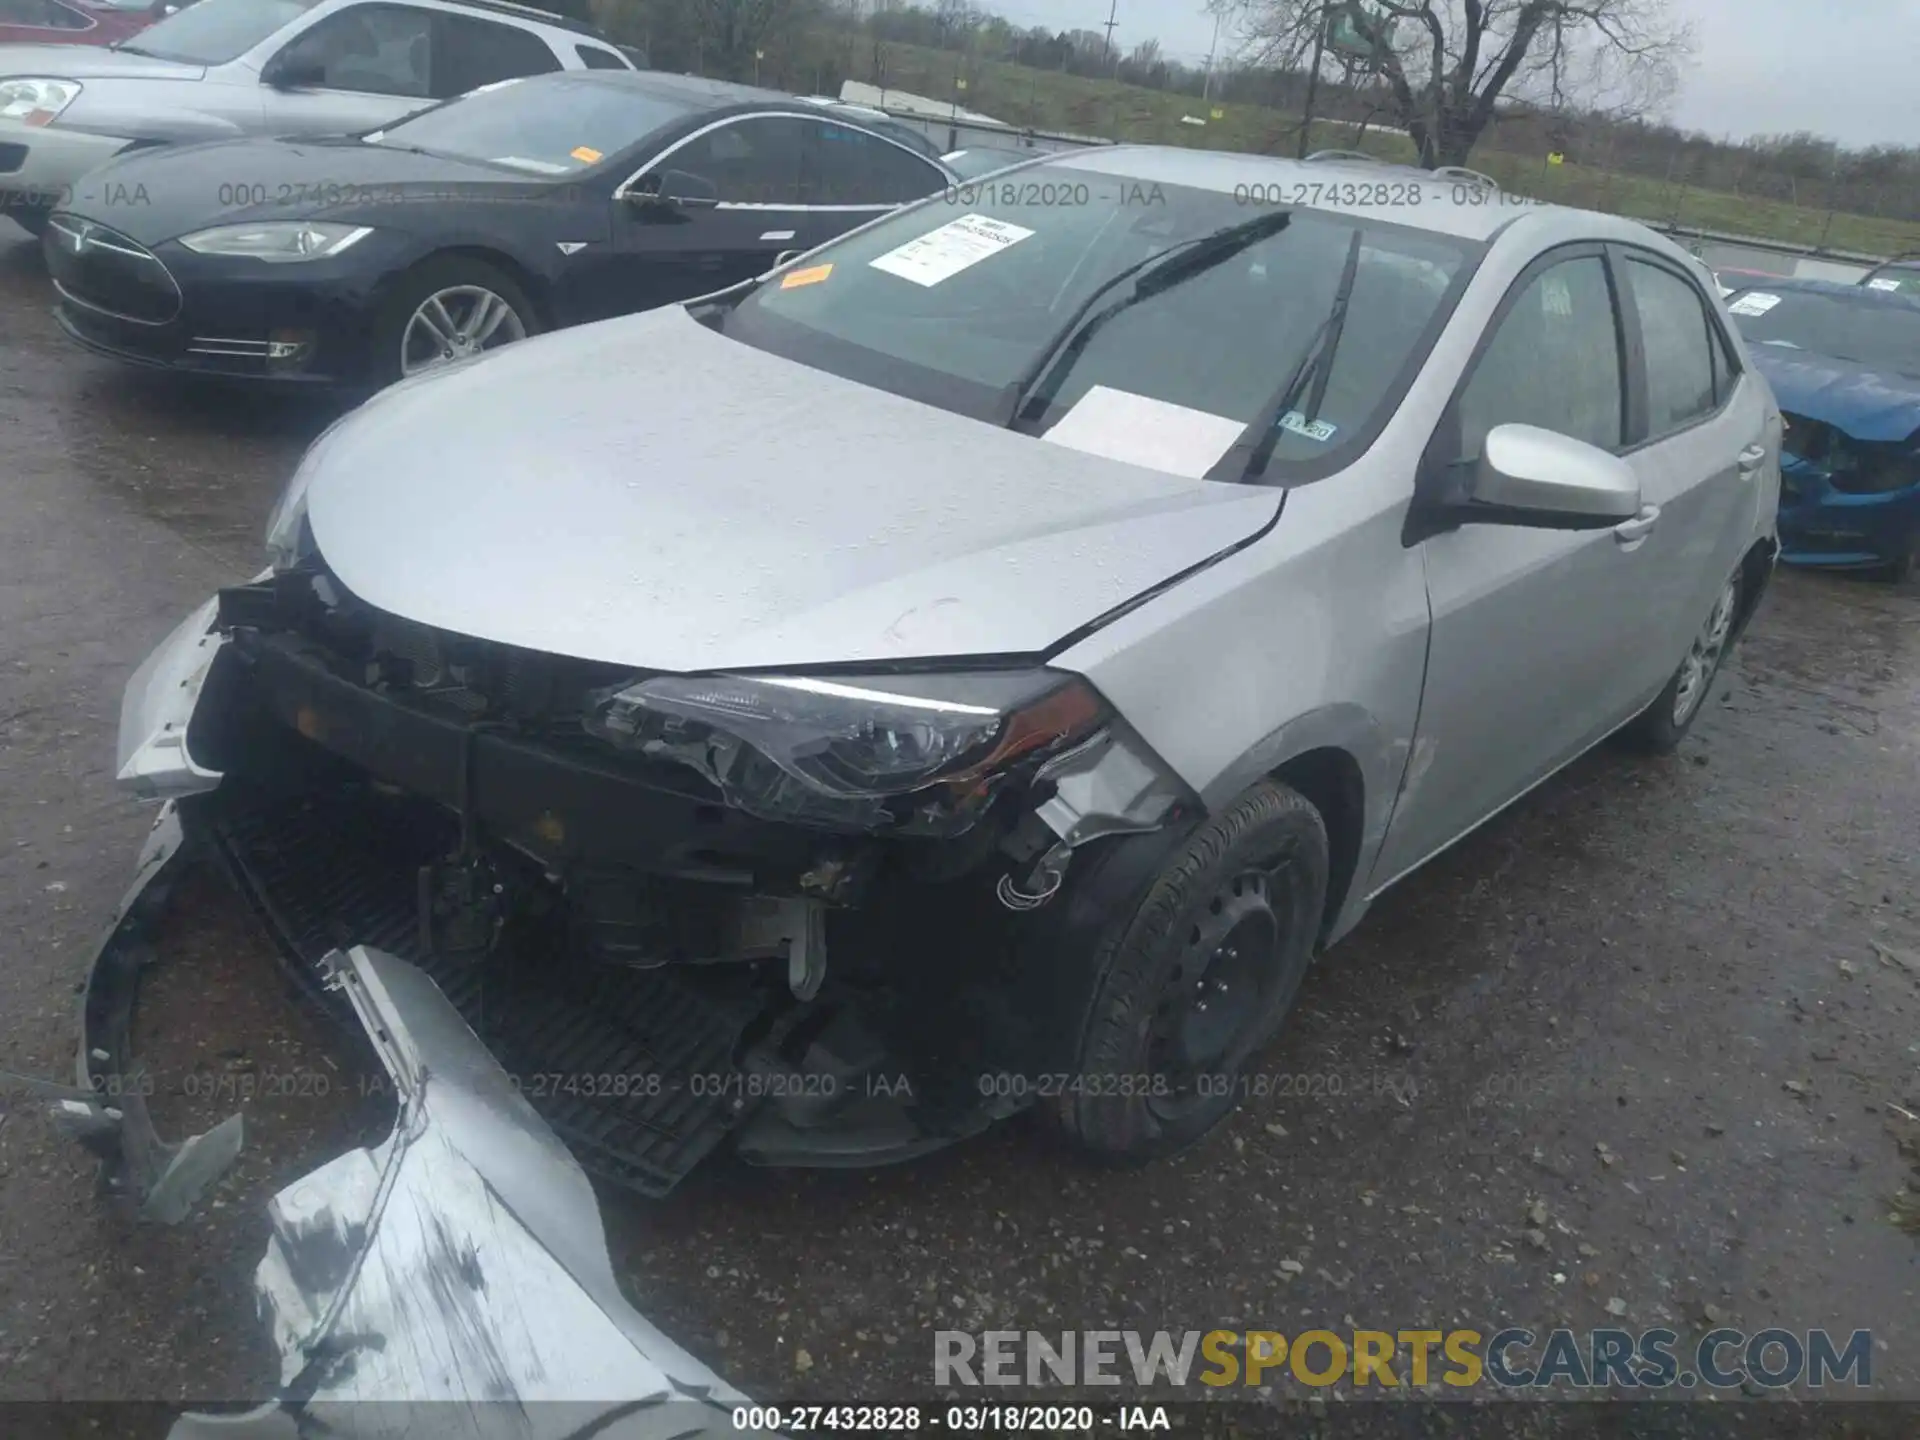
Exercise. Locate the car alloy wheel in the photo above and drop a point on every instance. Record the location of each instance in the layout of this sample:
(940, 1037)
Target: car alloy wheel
(1703, 658)
(454, 323)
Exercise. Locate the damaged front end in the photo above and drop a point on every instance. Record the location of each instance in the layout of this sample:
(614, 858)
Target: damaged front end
(788, 915)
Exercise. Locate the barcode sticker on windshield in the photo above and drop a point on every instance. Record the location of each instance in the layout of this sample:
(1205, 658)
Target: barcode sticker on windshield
(1757, 302)
(941, 254)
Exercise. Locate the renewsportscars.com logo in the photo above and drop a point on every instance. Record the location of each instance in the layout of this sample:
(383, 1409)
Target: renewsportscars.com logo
(1513, 1358)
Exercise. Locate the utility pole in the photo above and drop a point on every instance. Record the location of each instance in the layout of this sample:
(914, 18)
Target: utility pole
(1206, 90)
(1106, 49)
(1313, 77)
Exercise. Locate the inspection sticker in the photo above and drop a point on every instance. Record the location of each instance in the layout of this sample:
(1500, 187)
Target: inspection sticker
(812, 275)
(1759, 302)
(941, 254)
(585, 154)
(1313, 429)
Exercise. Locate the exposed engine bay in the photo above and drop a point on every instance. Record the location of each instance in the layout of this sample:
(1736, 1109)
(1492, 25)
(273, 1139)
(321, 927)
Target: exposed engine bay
(674, 923)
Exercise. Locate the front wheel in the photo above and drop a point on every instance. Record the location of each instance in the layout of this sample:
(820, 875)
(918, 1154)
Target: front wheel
(1192, 983)
(1660, 728)
(450, 308)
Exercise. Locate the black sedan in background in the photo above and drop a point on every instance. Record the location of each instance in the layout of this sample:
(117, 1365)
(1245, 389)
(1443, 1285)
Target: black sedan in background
(518, 208)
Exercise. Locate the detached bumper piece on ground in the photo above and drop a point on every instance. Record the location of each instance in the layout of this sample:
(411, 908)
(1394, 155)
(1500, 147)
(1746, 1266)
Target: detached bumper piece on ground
(455, 1276)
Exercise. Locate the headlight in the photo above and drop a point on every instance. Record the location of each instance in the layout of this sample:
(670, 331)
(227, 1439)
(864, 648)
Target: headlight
(35, 101)
(277, 240)
(920, 753)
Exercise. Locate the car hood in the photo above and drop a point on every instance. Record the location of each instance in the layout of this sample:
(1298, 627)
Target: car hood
(1870, 405)
(649, 493)
(168, 191)
(91, 62)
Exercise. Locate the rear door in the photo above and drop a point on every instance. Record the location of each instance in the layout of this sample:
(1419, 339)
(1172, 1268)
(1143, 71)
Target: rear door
(1699, 448)
(736, 184)
(1533, 630)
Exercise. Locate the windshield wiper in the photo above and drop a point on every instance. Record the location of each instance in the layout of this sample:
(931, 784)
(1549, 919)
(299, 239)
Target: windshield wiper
(1249, 452)
(1199, 253)
(127, 49)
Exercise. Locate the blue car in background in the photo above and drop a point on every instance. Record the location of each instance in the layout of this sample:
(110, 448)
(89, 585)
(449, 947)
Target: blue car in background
(1844, 363)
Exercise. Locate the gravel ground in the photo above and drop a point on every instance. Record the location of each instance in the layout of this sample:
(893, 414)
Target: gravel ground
(1645, 1046)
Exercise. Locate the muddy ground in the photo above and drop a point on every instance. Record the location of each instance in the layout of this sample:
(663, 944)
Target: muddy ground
(1668, 1003)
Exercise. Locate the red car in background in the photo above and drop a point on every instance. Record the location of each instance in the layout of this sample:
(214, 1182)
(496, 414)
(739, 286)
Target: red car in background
(74, 22)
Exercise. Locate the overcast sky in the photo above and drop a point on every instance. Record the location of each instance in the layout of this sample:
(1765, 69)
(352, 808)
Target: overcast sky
(1844, 68)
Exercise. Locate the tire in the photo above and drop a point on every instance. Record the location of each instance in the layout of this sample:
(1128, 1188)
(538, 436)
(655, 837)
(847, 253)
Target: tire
(1659, 729)
(1203, 910)
(394, 326)
(1903, 570)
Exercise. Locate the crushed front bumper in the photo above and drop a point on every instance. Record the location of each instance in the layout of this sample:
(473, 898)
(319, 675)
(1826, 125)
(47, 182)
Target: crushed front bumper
(454, 1279)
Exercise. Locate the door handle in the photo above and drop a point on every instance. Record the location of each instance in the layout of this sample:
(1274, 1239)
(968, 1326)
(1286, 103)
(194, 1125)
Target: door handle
(1631, 532)
(1751, 459)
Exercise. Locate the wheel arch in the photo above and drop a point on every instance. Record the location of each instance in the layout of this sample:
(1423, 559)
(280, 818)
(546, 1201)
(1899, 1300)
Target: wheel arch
(1331, 780)
(532, 284)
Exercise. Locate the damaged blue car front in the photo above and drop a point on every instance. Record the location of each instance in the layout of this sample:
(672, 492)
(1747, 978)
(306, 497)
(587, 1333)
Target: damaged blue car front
(1844, 363)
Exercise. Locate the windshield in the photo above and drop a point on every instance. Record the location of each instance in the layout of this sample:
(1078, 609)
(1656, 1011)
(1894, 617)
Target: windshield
(1859, 328)
(552, 125)
(1903, 278)
(213, 32)
(955, 301)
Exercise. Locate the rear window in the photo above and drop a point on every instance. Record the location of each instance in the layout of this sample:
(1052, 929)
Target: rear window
(212, 32)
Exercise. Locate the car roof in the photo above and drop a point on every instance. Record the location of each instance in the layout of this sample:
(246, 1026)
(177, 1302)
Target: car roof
(695, 92)
(1442, 209)
(1843, 289)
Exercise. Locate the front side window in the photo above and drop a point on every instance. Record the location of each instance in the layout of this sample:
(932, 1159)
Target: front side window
(372, 49)
(1170, 295)
(473, 53)
(755, 160)
(1676, 333)
(43, 15)
(553, 125)
(212, 32)
(848, 166)
(594, 58)
(1554, 362)
(1859, 326)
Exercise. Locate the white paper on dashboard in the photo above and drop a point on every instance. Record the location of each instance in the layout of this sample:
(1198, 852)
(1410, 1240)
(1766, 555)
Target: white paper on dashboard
(941, 254)
(1140, 430)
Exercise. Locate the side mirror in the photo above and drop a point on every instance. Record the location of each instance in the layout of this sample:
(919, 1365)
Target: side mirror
(291, 71)
(1529, 476)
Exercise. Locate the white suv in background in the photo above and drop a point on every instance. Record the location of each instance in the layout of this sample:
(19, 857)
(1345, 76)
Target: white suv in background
(222, 69)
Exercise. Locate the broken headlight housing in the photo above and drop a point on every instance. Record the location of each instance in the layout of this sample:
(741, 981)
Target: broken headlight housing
(917, 754)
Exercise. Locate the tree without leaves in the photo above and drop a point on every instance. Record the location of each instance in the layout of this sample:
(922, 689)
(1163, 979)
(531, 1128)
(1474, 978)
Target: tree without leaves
(1451, 63)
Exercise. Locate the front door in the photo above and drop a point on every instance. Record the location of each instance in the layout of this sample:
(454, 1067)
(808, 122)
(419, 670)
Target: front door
(353, 70)
(713, 209)
(1533, 630)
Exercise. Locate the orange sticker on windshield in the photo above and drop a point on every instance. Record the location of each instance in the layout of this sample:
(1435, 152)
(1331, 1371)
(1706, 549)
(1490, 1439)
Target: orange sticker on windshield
(586, 155)
(812, 275)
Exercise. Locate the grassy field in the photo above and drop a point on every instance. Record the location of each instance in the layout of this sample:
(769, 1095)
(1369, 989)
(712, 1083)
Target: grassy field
(1049, 100)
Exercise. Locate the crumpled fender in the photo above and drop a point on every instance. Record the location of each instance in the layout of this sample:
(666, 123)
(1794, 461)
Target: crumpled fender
(455, 1279)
